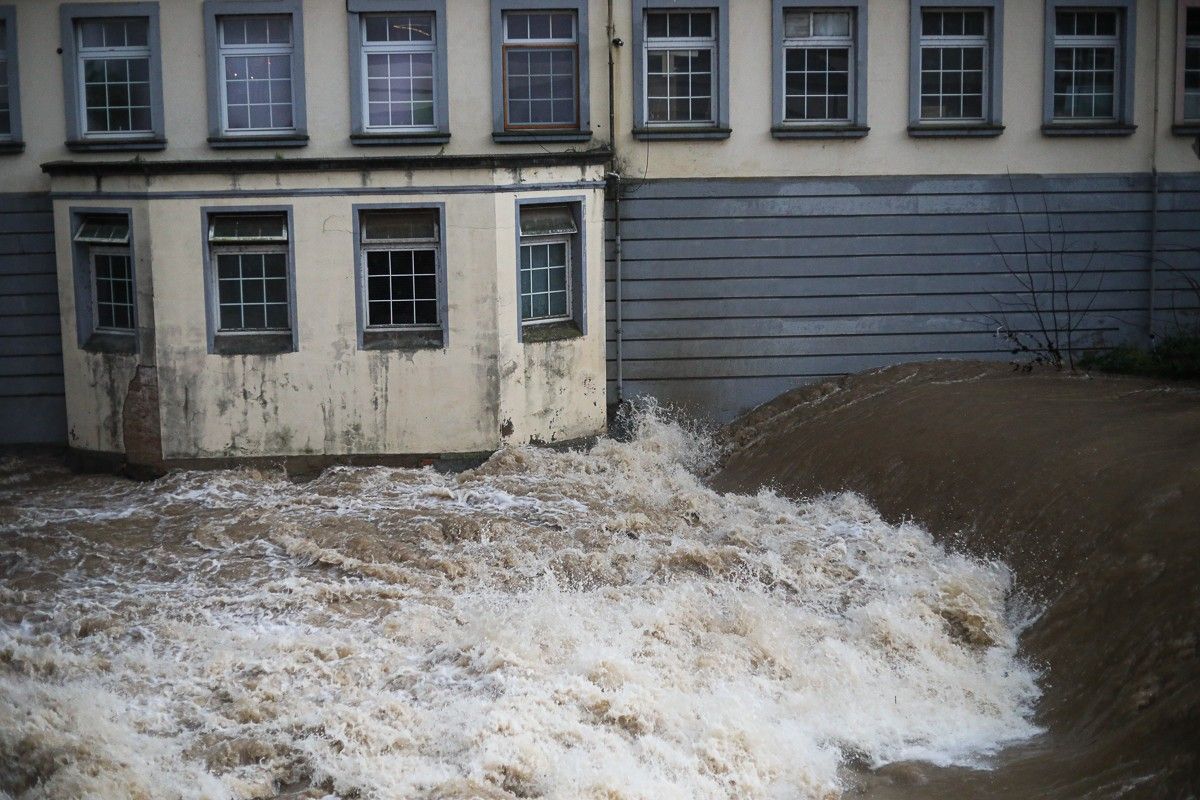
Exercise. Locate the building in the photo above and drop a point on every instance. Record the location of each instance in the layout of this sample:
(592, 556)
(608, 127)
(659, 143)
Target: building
(254, 228)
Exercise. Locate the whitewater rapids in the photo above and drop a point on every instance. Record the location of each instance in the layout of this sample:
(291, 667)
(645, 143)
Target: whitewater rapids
(551, 624)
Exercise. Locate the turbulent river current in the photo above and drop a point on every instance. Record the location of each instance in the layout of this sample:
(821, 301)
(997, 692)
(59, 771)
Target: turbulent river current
(591, 624)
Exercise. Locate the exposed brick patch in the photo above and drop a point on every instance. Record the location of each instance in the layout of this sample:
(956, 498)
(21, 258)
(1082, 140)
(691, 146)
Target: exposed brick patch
(140, 421)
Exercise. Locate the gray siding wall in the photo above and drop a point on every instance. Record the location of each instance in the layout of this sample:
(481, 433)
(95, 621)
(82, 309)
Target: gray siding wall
(32, 409)
(737, 290)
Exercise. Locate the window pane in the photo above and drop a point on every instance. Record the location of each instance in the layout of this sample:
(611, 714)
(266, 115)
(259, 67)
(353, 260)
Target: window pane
(546, 220)
(247, 227)
(399, 225)
(827, 23)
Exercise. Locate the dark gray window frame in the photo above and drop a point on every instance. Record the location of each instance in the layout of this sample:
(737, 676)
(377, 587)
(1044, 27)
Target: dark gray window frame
(576, 326)
(1123, 126)
(581, 134)
(857, 127)
(69, 15)
(248, 343)
(12, 142)
(718, 130)
(358, 131)
(399, 339)
(1182, 126)
(993, 121)
(90, 339)
(217, 137)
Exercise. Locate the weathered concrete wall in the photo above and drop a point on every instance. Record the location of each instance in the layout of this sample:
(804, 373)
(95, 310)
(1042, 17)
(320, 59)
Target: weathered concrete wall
(750, 151)
(330, 397)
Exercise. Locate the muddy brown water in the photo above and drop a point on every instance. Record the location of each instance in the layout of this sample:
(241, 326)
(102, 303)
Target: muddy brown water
(1089, 489)
(608, 624)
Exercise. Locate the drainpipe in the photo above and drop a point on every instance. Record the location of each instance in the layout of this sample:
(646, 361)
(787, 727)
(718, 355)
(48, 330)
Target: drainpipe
(614, 178)
(1150, 321)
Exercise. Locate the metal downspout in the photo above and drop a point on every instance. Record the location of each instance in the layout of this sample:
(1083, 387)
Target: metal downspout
(1150, 306)
(615, 178)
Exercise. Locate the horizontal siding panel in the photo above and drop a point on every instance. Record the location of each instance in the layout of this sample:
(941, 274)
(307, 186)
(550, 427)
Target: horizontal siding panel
(33, 420)
(31, 385)
(21, 305)
(13, 365)
(26, 222)
(21, 203)
(33, 325)
(25, 263)
(26, 243)
(31, 345)
(35, 283)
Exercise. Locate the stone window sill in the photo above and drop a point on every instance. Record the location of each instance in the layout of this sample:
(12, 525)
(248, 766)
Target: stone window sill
(1186, 128)
(650, 133)
(115, 145)
(1084, 129)
(399, 139)
(274, 141)
(11, 147)
(550, 332)
(934, 131)
(819, 131)
(111, 342)
(252, 344)
(402, 340)
(518, 137)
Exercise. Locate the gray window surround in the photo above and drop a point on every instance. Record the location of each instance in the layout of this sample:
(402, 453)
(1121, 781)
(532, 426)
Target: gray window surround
(358, 132)
(658, 131)
(1123, 126)
(217, 137)
(576, 326)
(501, 136)
(77, 140)
(1182, 126)
(88, 338)
(266, 343)
(857, 127)
(992, 124)
(397, 338)
(12, 143)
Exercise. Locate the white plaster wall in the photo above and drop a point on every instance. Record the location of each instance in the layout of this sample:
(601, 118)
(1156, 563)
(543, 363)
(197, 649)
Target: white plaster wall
(750, 151)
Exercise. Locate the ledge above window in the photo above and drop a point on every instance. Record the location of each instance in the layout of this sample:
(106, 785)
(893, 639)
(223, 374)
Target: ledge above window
(819, 131)
(968, 130)
(550, 332)
(253, 344)
(665, 132)
(275, 140)
(402, 340)
(108, 342)
(399, 139)
(11, 147)
(517, 137)
(115, 145)
(1077, 129)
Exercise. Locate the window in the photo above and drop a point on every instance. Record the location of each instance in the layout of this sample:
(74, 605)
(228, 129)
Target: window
(550, 274)
(1089, 67)
(1187, 69)
(540, 70)
(681, 51)
(818, 52)
(105, 297)
(398, 72)
(10, 107)
(541, 82)
(113, 76)
(955, 86)
(249, 269)
(256, 73)
(401, 287)
(680, 81)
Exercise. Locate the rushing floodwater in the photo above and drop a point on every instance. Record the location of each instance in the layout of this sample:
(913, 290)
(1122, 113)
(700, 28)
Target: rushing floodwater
(558, 625)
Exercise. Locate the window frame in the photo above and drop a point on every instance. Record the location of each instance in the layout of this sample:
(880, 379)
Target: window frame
(719, 127)
(992, 123)
(1126, 61)
(89, 336)
(574, 324)
(218, 136)
(1183, 126)
(667, 44)
(78, 138)
(503, 134)
(254, 342)
(111, 250)
(856, 127)
(360, 132)
(398, 337)
(11, 142)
